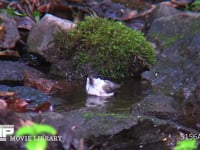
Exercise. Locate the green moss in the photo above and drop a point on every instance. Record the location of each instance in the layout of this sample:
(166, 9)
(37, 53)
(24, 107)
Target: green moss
(195, 6)
(167, 40)
(195, 27)
(107, 46)
(171, 39)
(119, 116)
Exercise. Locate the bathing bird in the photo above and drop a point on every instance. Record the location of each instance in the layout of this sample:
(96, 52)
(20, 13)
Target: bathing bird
(100, 87)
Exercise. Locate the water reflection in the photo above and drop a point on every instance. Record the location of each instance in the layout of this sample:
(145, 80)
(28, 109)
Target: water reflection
(96, 101)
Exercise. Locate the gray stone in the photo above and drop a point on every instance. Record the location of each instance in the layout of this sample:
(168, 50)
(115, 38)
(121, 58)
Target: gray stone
(9, 34)
(40, 39)
(116, 131)
(13, 72)
(160, 106)
(164, 9)
(178, 49)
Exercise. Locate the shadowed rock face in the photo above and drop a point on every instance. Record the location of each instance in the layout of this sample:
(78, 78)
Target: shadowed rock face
(193, 100)
(177, 71)
(13, 72)
(111, 131)
(9, 34)
(161, 106)
(197, 93)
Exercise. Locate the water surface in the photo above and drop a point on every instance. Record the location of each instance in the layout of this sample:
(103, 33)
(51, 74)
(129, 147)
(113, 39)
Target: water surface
(130, 92)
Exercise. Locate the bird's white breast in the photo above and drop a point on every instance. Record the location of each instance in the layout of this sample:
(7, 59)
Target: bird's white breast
(97, 88)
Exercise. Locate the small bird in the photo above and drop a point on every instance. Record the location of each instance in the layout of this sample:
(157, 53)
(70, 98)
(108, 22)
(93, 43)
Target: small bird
(100, 87)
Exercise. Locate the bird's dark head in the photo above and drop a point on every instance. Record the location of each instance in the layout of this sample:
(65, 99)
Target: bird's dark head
(91, 80)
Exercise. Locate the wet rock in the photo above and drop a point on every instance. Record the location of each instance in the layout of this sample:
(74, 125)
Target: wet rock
(177, 71)
(63, 68)
(40, 39)
(30, 78)
(24, 22)
(9, 54)
(26, 93)
(136, 24)
(18, 121)
(194, 100)
(182, 3)
(33, 97)
(111, 131)
(2, 4)
(116, 11)
(13, 72)
(163, 9)
(91, 123)
(122, 10)
(3, 104)
(13, 119)
(9, 34)
(48, 86)
(67, 132)
(179, 26)
(160, 106)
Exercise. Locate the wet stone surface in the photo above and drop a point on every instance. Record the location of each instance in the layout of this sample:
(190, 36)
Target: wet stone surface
(9, 34)
(160, 106)
(12, 72)
(177, 70)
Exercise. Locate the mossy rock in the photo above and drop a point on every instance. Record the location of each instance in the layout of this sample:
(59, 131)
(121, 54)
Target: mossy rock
(195, 6)
(107, 47)
(134, 4)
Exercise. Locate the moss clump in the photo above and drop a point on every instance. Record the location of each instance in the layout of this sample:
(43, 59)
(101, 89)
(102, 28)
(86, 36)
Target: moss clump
(108, 47)
(195, 6)
(134, 4)
(119, 116)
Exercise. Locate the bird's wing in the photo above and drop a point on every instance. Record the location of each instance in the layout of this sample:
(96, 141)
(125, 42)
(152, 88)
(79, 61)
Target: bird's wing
(112, 85)
(107, 88)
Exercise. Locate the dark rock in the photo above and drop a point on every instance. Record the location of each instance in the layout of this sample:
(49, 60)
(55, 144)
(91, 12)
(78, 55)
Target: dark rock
(3, 104)
(177, 71)
(136, 24)
(167, 30)
(30, 94)
(34, 97)
(9, 54)
(159, 106)
(48, 86)
(111, 131)
(112, 10)
(182, 3)
(91, 123)
(9, 34)
(18, 121)
(13, 72)
(193, 100)
(40, 39)
(163, 9)
(196, 93)
(30, 78)
(10, 118)
(24, 22)
(62, 68)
